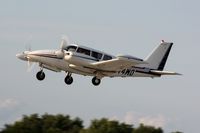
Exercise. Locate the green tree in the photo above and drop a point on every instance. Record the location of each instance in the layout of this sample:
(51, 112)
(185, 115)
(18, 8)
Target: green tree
(64, 124)
(106, 126)
(147, 129)
(28, 123)
(45, 124)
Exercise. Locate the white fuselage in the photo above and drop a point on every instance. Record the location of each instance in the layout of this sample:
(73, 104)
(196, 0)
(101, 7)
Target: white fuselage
(50, 59)
(90, 62)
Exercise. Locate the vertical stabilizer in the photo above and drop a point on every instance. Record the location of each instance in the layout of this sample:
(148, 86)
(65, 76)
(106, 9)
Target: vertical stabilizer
(157, 59)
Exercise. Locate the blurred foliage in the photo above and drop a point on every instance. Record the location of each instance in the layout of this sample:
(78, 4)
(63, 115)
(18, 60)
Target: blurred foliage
(45, 124)
(65, 124)
(106, 126)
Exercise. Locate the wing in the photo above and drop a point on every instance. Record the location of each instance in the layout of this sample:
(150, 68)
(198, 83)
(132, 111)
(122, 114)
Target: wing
(165, 72)
(108, 67)
(115, 65)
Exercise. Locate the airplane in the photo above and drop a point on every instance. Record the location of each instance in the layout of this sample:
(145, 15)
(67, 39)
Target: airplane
(82, 60)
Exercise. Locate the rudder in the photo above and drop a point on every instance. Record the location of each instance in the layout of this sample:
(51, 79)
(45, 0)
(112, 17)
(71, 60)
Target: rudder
(157, 59)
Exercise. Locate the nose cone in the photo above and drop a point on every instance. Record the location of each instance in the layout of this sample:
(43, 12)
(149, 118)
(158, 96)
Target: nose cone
(21, 56)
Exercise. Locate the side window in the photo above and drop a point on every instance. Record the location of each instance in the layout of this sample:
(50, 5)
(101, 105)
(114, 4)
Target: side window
(107, 57)
(71, 48)
(83, 51)
(96, 55)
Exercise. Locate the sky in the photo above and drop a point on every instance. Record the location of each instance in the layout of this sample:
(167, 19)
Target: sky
(117, 27)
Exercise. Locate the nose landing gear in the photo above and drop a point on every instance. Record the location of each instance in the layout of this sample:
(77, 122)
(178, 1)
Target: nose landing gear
(69, 79)
(40, 75)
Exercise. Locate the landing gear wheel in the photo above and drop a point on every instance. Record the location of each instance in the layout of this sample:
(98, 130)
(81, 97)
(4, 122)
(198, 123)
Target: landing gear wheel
(68, 80)
(40, 75)
(96, 81)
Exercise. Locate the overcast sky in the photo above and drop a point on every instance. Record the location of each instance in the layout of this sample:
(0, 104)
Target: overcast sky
(127, 26)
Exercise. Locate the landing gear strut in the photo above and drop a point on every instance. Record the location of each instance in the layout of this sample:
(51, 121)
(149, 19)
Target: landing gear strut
(69, 79)
(40, 75)
(96, 81)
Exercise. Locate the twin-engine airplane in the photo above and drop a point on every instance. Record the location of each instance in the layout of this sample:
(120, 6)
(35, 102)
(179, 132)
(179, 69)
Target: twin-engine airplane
(73, 58)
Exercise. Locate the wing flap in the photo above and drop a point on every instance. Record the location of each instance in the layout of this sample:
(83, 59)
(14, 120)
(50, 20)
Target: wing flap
(116, 64)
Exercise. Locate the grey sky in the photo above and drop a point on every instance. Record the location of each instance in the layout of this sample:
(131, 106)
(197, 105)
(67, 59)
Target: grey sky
(129, 27)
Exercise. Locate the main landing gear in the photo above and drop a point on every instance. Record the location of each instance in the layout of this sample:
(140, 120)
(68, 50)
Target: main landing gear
(69, 79)
(40, 75)
(96, 81)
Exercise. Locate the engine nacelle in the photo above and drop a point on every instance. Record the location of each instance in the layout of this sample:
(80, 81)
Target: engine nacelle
(59, 54)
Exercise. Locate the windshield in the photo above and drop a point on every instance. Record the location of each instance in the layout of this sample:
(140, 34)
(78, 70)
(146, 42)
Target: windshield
(83, 51)
(71, 48)
(96, 55)
(107, 57)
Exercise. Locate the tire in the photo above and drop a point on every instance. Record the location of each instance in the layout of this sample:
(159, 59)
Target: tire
(40, 75)
(68, 80)
(96, 81)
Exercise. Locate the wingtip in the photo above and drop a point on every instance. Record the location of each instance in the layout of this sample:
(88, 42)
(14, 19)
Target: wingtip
(180, 74)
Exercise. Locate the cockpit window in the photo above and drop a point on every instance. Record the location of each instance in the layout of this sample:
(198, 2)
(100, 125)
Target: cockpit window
(107, 57)
(71, 48)
(83, 51)
(96, 55)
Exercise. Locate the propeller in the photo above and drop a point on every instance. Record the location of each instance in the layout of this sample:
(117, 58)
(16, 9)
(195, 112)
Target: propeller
(28, 48)
(30, 65)
(64, 42)
(63, 45)
(27, 43)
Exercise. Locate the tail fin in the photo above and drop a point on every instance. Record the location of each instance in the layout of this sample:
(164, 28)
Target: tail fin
(157, 59)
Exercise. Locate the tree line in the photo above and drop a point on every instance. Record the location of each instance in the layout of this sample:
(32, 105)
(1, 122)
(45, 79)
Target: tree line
(60, 123)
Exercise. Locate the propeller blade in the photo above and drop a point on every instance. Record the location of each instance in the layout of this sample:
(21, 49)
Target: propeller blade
(27, 43)
(30, 65)
(28, 48)
(64, 42)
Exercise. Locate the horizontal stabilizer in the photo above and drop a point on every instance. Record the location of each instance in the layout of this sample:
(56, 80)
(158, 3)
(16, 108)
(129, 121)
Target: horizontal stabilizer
(164, 72)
